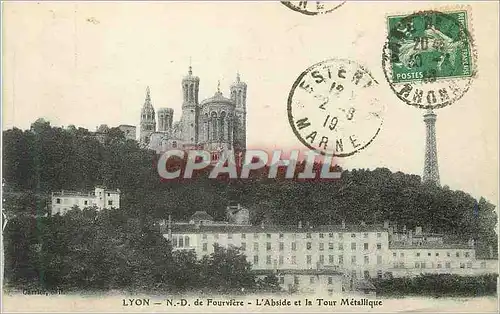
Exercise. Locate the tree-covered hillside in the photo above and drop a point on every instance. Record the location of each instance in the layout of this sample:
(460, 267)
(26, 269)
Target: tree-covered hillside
(47, 158)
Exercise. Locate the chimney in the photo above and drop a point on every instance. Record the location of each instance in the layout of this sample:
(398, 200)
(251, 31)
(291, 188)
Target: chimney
(386, 224)
(343, 224)
(418, 230)
(395, 228)
(308, 225)
(363, 223)
(404, 228)
(300, 224)
(471, 242)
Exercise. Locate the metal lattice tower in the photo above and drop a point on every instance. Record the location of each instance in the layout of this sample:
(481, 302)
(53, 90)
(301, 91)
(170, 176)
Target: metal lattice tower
(431, 170)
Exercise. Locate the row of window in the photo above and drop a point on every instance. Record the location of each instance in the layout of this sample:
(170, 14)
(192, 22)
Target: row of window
(308, 235)
(448, 254)
(85, 202)
(321, 260)
(309, 246)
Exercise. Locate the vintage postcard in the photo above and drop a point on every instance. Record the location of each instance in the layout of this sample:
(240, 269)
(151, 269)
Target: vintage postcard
(270, 156)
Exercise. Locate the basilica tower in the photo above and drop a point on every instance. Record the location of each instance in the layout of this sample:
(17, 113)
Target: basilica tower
(148, 120)
(239, 96)
(431, 171)
(190, 110)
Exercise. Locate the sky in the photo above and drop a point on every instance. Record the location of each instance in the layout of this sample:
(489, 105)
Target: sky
(88, 64)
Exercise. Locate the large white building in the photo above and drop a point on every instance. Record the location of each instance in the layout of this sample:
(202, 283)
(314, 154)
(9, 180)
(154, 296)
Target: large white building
(63, 201)
(333, 258)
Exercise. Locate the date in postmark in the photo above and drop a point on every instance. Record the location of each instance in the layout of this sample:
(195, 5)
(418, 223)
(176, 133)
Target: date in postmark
(333, 108)
(313, 7)
(429, 57)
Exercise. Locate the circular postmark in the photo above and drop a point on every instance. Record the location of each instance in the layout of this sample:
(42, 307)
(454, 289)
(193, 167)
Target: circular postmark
(313, 7)
(333, 108)
(428, 59)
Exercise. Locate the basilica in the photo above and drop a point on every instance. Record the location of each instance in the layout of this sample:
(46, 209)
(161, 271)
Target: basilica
(214, 124)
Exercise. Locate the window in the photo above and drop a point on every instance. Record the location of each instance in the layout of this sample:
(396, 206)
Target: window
(309, 245)
(365, 246)
(439, 265)
(330, 280)
(437, 254)
(379, 259)
(379, 235)
(417, 264)
(294, 246)
(255, 235)
(294, 259)
(402, 254)
(448, 254)
(282, 246)
(469, 265)
(308, 257)
(379, 274)
(341, 235)
(110, 202)
(243, 246)
(467, 254)
(365, 235)
(321, 235)
(186, 241)
(462, 265)
(447, 265)
(367, 260)
(181, 241)
(256, 259)
(353, 259)
(243, 236)
(321, 259)
(204, 236)
(109, 194)
(341, 259)
(418, 254)
(330, 259)
(256, 246)
(341, 246)
(379, 246)
(353, 235)
(58, 201)
(330, 246)
(229, 235)
(268, 235)
(311, 279)
(281, 235)
(282, 280)
(205, 247)
(321, 246)
(280, 260)
(458, 254)
(268, 259)
(308, 235)
(268, 246)
(394, 254)
(295, 280)
(429, 254)
(353, 246)
(483, 264)
(85, 202)
(366, 274)
(422, 265)
(330, 235)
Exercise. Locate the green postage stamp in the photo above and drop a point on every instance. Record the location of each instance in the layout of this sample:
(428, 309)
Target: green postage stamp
(429, 57)
(429, 45)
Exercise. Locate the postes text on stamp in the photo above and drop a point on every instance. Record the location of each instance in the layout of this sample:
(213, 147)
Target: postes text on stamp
(428, 59)
(313, 7)
(333, 108)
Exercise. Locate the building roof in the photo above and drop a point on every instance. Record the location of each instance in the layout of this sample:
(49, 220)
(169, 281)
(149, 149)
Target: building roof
(201, 215)
(190, 228)
(218, 98)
